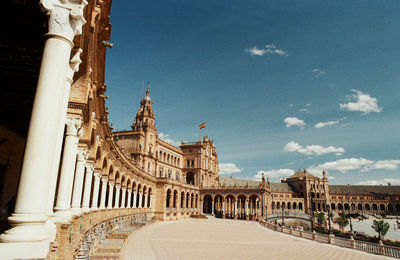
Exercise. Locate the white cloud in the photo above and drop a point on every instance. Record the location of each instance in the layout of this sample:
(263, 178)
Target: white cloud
(361, 164)
(269, 48)
(305, 110)
(294, 121)
(256, 51)
(312, 149)
(362, 102)
(329, 123)
(228, 168)
(381, 181)
(274, 173)
(165, 138)
(318, 72)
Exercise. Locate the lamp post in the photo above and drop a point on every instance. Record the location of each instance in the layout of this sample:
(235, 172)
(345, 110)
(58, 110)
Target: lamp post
(328, 207)
(351, 224)
(283, 221)
(312, 211)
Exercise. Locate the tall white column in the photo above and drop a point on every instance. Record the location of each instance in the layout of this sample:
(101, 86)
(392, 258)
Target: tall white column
(29, 216)
(129, 198)
(139, 198)
(96, 187)
(246, 208)
(145, 200)
(78, 182)
(201, 205)
(117, 192)
(123, 198)
(212, 206)
(235, 213)
(61, 114)
(110, 194)
(151, 200)
(88, 187)
(223, 207)
(134, 193)
(63, 213)
(104, 181)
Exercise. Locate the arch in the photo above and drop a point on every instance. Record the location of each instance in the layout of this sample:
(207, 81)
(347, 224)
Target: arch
(283, 205)
(182, 199)
(294, 206)
(333, 206)
(196, 201)
(187, 200)
(168, 199)
(241, 204)
(374, 207)
(218, 205)
(273, 205)
(144, 193)
(230, 206)
(149, 194)
(289, 206)
(353, 206)
(367, 207)
(138, 190)
(300, 206)
(207, 204)
(359, 206)
(190, 178)
(397, 207)
(340, 206)
(174, 204)
(346, 206)
(390, 208)
(382, 207)
(191, 200)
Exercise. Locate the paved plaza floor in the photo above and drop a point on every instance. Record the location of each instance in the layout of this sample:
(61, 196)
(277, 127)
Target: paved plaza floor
(227, 239)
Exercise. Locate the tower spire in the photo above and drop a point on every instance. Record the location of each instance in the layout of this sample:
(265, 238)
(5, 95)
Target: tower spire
(148, 89)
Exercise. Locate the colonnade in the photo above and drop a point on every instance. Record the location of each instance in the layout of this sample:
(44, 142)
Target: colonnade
(181, 200)
(366, 207)
(230, 206)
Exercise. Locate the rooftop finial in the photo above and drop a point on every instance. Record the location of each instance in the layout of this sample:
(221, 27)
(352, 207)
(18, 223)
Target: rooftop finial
(148, 89)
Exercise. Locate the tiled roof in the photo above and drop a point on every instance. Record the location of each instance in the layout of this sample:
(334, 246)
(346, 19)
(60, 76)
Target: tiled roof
(279, 186)
(239, 182)
(364, 189)
(302, 173)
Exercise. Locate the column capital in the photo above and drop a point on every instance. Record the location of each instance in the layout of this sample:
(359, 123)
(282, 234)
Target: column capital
(72, 125)
(104, 178)
(118, 186)
(65, 18)
(129, 190)
(97, 174)
(82, 154)
(111, 183)
(89, 167)
(123, 189)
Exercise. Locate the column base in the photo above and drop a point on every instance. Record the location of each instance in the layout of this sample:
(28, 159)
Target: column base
(62, 216)
(24, 250)
(76, 211)
(223, 216)
(26, 228)
(235, 217)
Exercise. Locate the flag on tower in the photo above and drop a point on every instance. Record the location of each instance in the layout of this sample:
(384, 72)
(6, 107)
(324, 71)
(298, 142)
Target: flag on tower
(203, 125)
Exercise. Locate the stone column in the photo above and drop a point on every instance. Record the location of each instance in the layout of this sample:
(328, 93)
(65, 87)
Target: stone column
(96, 187)
(134, 194)
(235, 212)
(117, 192)
(88, 187)
(29, 217)
(139, 198)
(212, 206)
(61, 114)
(129, 198)
(246, 208)
(145, 200)
(201, 205)
(123, 198)
(110, 194)
(78, 182)
(103, 192)
(223, 208)
(63, 213)
(151, 200)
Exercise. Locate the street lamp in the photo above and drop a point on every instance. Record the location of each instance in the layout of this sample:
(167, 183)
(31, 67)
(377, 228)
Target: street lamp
(283, 221)
(312, 210)
(351, 224)
(328, 207)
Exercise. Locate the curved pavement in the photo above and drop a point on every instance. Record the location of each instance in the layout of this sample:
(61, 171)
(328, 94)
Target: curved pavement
(226, 239)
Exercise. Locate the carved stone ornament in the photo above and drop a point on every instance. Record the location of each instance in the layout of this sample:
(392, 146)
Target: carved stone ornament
(82, 154)
(74, 65)
(73, 124)
(97, 175)
(65, 17)
(89, 167)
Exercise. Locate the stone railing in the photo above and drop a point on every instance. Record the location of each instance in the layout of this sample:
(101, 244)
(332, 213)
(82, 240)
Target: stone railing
(379, 249)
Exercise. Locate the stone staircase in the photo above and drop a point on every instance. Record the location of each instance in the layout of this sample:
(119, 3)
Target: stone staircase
(110, 247)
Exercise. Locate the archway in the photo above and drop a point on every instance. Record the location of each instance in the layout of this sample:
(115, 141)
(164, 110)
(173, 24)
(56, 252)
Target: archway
(207, 204)
(190, 178)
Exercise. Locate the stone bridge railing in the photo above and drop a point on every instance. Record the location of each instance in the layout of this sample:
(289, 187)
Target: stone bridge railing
(379, 249)
(298, 215)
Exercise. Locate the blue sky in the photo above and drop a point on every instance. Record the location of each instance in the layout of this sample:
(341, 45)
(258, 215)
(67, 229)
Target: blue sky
(282, 85)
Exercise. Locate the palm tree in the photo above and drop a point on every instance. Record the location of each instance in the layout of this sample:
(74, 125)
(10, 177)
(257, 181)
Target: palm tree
(381, 227)
(342, 221)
